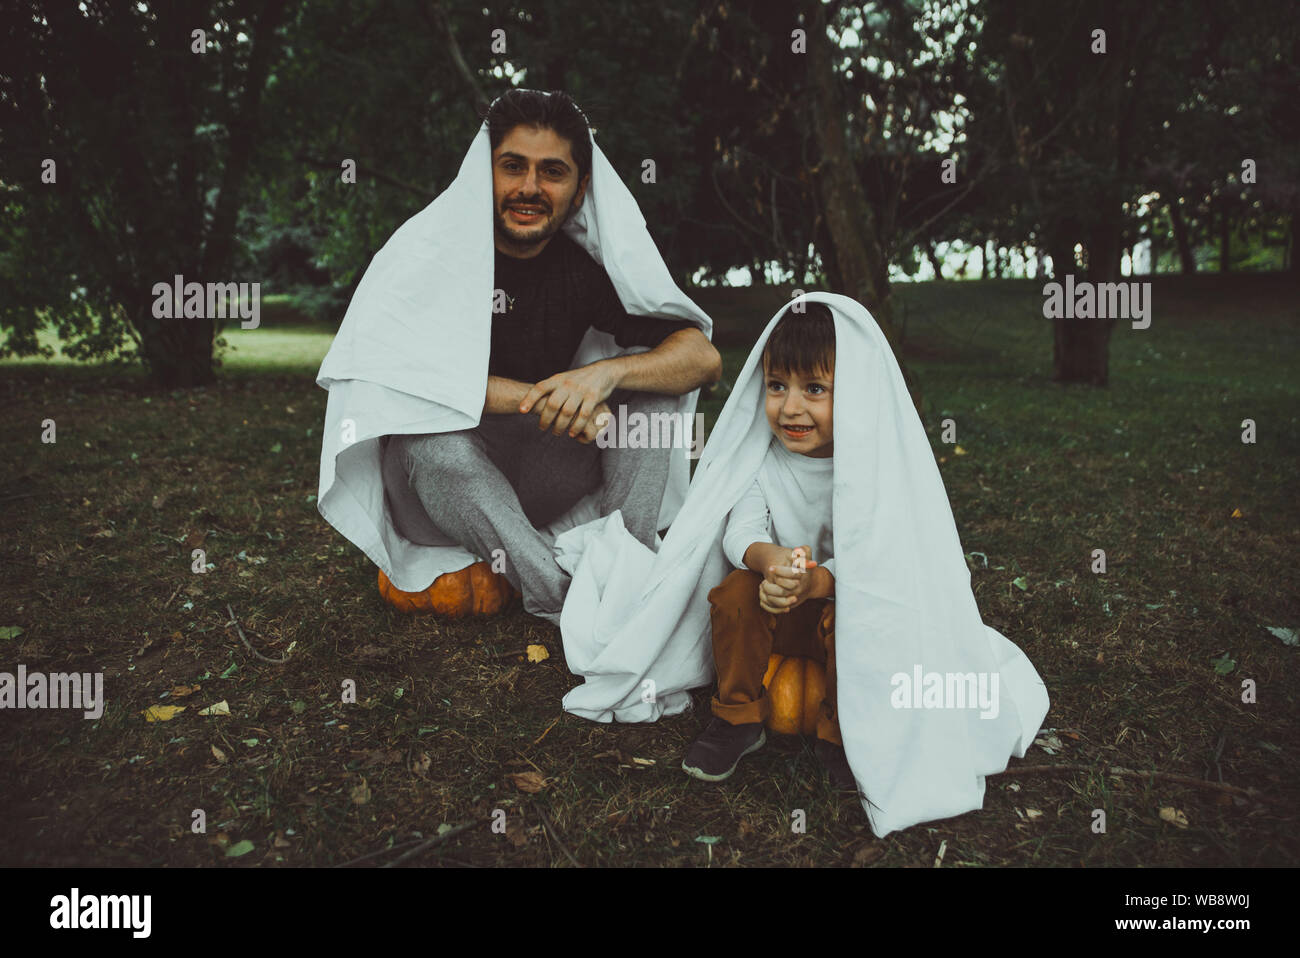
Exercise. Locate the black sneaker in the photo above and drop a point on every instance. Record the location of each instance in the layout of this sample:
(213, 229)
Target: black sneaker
(836, 764)
(720, 747)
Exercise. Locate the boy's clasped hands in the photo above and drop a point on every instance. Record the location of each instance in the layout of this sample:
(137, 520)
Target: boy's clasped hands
(785, 586)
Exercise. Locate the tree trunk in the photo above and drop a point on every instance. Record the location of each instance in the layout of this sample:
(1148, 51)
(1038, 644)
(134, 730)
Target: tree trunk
(1061, 250)
(178, 351)
(1185, 254)
(850, 219)
(1081, 347)
(1225, 242)
(934, 260)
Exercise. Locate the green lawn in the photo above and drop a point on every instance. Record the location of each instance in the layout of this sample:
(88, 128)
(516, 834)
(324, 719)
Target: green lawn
(1144, 664)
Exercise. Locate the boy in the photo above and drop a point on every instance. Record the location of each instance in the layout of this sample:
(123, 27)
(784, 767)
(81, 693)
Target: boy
(779, 599)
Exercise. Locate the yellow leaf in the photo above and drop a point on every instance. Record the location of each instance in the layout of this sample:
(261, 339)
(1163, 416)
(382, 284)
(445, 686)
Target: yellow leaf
(361, 793)
(1236, 514)
(531, 782)
(162, 713)
(958, 451)
(219, 755)
(538, 653)
(1173, 816)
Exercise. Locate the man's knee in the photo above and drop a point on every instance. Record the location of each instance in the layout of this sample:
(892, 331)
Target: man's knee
(451, 456)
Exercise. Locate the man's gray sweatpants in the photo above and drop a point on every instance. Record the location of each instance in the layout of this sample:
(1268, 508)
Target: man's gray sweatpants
(492, 486)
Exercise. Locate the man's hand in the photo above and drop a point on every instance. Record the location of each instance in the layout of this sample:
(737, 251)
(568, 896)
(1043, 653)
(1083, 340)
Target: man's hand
(568, 400)
(786, 586)
(595, 424)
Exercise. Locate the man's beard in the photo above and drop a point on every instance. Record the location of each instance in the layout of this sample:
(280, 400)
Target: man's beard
(537, 233)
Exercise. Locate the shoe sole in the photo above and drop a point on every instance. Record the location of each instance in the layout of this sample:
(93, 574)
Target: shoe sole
(706, 777)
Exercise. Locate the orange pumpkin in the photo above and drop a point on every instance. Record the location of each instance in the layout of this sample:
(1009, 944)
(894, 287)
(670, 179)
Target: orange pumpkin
(474, 590)
(796, 687)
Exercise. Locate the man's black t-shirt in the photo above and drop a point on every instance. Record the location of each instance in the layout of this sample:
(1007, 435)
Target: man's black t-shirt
(551, 301)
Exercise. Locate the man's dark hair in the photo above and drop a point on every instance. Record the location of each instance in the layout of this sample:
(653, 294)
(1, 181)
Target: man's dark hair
(802, 342)
(552, 111)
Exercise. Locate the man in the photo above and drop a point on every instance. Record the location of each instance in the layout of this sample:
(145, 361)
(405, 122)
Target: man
(494, 488)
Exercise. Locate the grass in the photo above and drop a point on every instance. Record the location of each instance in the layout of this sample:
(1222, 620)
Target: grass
(97, 574)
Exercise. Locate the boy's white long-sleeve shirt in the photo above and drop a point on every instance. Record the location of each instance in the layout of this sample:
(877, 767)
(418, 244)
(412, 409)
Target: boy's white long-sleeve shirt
(788, 504)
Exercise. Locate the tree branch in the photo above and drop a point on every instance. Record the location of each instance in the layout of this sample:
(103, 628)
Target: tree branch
(370, 171)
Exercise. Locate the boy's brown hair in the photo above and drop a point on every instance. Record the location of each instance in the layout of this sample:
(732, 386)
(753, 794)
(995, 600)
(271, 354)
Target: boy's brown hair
(802, 343)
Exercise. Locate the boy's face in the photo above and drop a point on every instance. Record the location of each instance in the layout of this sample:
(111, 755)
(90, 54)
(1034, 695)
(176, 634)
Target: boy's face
(799, 410)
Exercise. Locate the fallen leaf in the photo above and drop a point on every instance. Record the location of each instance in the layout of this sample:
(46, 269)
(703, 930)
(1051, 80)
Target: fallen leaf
(1021, 583)
(708, 839)
(1224, 665)
(643, 761)
(10, 632)
(239, 848)
(1173, 816)
(162, 713)
(958, 451)
(1049, 743)
(180, 691)
(531, 782)
(871, 852)
(1236, 514)
(220, 708)
(361, 793)
(219, 755)
(538, 653)
(1032, 813)
(1288, 636)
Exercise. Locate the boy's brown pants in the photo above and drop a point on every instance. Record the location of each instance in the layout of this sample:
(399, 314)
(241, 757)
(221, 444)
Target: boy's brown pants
(744, 638)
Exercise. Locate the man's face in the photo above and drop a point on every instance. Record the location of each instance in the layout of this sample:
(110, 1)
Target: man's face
(535, 189)
(800, 410)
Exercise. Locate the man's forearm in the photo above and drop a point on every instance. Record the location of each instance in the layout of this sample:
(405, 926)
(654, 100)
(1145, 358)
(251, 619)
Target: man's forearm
(504, 395)
(684, 361)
